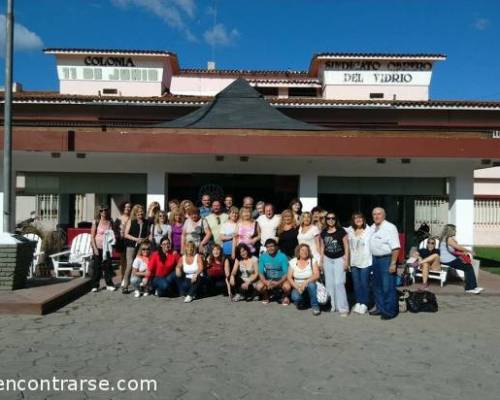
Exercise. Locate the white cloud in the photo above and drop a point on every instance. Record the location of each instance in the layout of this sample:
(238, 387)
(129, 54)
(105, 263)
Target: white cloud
(481, 24)
(24, 39)
(219, 36)
(170, 11)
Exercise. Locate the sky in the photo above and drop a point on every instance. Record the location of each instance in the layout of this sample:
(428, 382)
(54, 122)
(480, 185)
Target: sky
(266, 34)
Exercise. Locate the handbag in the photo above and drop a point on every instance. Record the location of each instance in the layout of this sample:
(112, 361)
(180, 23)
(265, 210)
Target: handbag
(321, 293)
(422, 302)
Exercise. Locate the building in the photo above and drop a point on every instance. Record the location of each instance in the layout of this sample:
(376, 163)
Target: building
(352, 132)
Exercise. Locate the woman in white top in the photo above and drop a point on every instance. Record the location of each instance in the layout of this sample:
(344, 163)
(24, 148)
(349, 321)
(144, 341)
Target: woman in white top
(228, 232)
(160, 229)
(361, 260)
(245, 273)
(189, 271)
(309, 234)
(303, 272)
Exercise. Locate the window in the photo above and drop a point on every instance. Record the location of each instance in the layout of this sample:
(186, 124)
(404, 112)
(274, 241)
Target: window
(376, 95)
(109, 91)
(267, 91)
(302, 92)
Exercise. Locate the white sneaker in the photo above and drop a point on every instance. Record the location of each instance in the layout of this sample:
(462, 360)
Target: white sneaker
(146, 293)
(188, 299)
(479, 289)
(137, 293)
(110, 288)
(157, 293)
(473, 291)
(237, 297)
(363, 309)
(94, 290)
(355, 309)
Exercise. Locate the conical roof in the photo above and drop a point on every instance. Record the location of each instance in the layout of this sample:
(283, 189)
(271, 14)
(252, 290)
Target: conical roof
(239, 106)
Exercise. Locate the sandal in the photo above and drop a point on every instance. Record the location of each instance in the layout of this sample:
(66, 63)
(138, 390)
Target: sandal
(285, 302)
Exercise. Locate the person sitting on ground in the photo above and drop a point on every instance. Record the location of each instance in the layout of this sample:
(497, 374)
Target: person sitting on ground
(273, 270)
(190, 272)
(140, 270)
(245, 273)
(217, 269)
(427, 260)
(448, 250)
(161, 274)
(303, 272)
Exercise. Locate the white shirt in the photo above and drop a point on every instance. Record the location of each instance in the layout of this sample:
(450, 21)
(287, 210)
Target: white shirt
(384, 239)
(359, 248)
(190, 269)
(300, 275)
(268, 227)
(139, 264)
(309, 238)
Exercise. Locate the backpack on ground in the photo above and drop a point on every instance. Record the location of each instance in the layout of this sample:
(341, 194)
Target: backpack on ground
(422, 302)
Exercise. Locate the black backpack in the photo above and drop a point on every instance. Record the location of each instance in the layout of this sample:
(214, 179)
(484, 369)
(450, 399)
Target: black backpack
(422, 302)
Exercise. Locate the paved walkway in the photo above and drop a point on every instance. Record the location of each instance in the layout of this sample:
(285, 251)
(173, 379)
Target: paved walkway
(212, 349)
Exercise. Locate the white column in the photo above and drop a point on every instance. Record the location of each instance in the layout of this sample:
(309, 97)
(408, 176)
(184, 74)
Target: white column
(156, 188)
(1, 212)
(461, 206)
(308, 190)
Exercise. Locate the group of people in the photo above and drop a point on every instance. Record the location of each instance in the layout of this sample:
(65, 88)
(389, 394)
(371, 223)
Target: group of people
(254, 253)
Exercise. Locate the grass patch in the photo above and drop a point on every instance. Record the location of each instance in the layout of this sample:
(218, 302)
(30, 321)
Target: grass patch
(490, 258)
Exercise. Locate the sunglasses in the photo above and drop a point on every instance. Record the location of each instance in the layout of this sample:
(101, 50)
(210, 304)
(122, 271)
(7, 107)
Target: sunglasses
(331, 218)
(145, 249)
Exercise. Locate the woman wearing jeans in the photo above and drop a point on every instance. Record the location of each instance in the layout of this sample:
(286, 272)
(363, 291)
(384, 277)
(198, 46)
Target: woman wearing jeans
(303, 272)
(361, 260)
(448, 249)
(335, 254)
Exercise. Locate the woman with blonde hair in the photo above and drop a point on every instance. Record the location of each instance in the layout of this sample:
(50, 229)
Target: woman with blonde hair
(287, 233)
(153, 209)
(303, 272)
(186, 206)
(159, 229)
(136, 231)
(318, 217)
(450, 253)
(247, 231)
(309, 234)
(177, 224)
(190, 272)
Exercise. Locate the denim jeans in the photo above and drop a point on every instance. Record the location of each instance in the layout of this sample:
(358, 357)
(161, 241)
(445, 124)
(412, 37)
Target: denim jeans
(384, 287)
(360, 282)
(469, 275)
(102, 268)
(136, 281)
(335, 283)
(299, 299)
(164, 283)
(188, 288)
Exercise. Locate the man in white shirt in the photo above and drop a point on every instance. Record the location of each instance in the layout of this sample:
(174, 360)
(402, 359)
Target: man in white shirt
(384, 245)
(268, 224)
(215, 220)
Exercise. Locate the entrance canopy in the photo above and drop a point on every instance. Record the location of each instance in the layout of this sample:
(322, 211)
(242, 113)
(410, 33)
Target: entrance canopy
(239, 106)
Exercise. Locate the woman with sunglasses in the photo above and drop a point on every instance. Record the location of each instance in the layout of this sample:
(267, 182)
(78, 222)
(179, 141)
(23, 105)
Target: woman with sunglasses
(102, 259)
(160, 229)
(140, 270)
(161, 268)
(335, 261)
(428, 260)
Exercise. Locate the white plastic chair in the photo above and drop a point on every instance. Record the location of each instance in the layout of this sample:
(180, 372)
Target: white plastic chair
(78, 258)
(36, 254)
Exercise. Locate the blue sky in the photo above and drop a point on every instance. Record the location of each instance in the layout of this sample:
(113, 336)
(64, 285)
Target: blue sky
(267, 34)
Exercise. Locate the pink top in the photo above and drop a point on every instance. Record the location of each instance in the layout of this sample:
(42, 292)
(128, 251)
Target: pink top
(99, 236)
(245, 234)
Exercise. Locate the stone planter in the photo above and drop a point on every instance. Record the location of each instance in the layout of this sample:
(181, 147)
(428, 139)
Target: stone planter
(16, 254)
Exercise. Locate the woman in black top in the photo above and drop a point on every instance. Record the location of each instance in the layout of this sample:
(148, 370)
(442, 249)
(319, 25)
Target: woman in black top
(136, 231)
(335, 255)
(287, 234)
